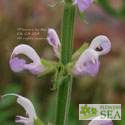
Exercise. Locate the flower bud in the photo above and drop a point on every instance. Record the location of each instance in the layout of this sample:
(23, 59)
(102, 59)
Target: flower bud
(54, 41)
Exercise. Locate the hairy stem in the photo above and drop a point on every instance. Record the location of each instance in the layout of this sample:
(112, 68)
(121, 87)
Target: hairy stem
(65, 87)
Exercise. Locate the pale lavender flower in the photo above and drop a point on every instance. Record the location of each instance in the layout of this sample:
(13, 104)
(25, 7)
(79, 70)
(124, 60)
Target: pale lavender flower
(29, 108)
(96, 121)
(88, 62)
(54, 41)
(83, 4)
(101, 44)
(18, 65)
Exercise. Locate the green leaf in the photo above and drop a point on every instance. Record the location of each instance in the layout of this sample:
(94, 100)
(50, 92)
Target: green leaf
(80, 51)
(4, 103)
(48, 63)
(50, 66)
(38, 122)
(12, 88)
(7, 101)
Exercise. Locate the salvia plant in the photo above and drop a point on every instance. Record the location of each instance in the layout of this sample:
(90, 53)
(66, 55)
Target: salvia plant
(85, 61)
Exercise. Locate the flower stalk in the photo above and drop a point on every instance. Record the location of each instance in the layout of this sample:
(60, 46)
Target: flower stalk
(65, 85)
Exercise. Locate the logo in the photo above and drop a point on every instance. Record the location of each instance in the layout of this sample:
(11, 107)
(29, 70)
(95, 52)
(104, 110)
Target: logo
(105, 111)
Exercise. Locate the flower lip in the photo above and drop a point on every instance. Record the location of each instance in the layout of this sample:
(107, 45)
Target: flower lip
(17, 64)
(87, 64)
(17, 118)
(101, 44)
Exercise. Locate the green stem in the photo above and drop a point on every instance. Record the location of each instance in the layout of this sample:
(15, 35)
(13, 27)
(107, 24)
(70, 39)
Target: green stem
(67, 33)
(65, 87)
(63, 101)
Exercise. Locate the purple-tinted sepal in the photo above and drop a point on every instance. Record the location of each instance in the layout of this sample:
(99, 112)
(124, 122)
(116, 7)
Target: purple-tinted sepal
(18, 64)
(87, 64)
(83, 4)
(54, 41)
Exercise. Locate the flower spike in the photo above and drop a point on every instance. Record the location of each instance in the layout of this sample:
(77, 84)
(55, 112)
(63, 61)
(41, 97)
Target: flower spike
(54, 41)
(83, 4)
(29, 108)
(18, 65)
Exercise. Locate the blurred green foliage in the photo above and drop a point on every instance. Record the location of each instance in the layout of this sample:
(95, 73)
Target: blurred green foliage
(106, 5)
(7, 110)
